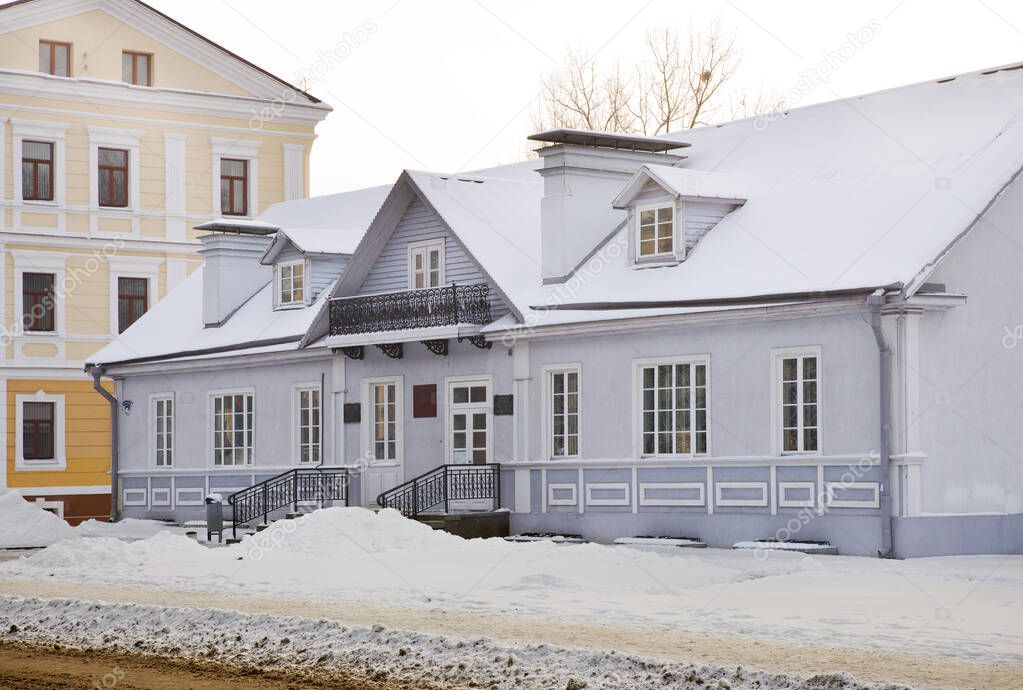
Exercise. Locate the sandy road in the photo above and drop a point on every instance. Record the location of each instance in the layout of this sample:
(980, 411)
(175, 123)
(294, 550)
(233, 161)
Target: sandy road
(919, 671)
(43, 668)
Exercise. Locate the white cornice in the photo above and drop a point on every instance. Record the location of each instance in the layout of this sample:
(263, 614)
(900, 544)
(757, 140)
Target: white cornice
(160, 28)
(92, 243)
(227, 360)
(150, 121)
(101, 91)
(662, 321)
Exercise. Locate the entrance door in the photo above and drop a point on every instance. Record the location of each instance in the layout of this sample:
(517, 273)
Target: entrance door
(470, 433)
(383, 446)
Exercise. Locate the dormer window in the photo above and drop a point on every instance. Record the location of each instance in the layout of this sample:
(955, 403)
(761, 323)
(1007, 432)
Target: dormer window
(291, 284)
(55, 58)
(655, 227)
(426, 264)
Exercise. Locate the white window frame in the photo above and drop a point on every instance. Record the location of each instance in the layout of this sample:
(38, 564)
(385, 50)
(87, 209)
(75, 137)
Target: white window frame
(368, 438)
(52, 132)
(777, 436)
(452, 382)
(637, 403)
(59, 460)
(426, 246)
(132, 267)
(114, 138)
(296, 426)
(279, 281)
(153, 446)
(547, 426)
(237, 149)
(39, 262)
(677, 252)
(211, 435)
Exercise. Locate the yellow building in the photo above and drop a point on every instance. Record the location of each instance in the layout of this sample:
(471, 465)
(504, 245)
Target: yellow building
(120, 130)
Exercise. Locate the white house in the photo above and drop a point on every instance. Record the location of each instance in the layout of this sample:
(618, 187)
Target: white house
(803, 326)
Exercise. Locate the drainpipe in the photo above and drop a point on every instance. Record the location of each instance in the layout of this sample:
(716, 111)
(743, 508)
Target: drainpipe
(97, 373)
(876, 301)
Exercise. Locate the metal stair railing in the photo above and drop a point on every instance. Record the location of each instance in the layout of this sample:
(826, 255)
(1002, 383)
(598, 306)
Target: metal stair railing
(442, 485)
(300, 485)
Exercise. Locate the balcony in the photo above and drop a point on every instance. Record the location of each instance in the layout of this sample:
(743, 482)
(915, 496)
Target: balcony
(411, 310)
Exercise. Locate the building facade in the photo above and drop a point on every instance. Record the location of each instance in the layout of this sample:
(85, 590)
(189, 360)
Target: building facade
(120, 130)
(736, 333)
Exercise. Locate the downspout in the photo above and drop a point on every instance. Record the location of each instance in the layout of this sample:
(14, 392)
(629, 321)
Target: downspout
(876, 302)
(97, 373)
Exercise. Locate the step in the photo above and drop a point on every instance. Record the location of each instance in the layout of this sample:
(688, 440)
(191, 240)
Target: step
(469, 525)
(808, 547)
(661, 542)
(556, 538)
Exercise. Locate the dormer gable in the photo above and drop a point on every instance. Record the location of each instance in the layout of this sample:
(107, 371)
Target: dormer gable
(305, 263)
(671, 209)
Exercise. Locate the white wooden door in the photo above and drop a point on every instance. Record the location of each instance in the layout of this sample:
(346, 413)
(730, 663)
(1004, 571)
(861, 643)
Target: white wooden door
(382, 438)
(470, 433)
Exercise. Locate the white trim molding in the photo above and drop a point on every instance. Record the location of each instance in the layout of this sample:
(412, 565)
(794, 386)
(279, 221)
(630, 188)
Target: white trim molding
(366, 430)
(546, 422)
(571, 500)
(833, 487)
(622, 500)
(153, 399)
(240, 149)
(646, 500)
(134, 497)
(144, 267)
(426, 246)
(777, 355)
(785, 502)
(693, 361)
(125, 140)
(160, 497)
(721, 487)
(59, 460)
(184, 491)
(40, 130)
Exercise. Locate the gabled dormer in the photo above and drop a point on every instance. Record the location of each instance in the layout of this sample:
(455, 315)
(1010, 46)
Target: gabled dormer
(305, 263)
(670, 210)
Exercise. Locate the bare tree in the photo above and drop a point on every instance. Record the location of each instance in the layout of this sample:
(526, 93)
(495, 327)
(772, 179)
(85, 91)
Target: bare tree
(680, 85)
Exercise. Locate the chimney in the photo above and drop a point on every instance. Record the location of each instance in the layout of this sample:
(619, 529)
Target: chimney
(232, 272)
(583, 171)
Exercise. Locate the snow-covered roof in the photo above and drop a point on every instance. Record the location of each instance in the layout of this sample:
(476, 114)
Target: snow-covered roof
(175, 325)
(497, 218)
(684, 183)
(857, 193)
(850, 195)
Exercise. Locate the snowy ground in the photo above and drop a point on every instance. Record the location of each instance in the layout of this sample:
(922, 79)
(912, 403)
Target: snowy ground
(966, 608)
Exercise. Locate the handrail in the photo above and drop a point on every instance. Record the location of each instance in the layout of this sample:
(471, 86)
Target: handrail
(287, 488)
(442, 485)
(447, 305)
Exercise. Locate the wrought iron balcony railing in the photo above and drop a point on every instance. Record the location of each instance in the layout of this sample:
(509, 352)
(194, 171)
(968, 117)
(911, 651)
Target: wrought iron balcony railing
(395, 311)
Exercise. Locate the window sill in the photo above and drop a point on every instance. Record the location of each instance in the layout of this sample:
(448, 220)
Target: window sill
(42, 203)
(290, 305)
(41, 334)
(808, 453)
(24, 465)
(657, 262)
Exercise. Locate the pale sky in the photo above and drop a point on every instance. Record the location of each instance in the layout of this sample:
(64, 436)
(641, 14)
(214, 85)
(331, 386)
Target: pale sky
(450, 86)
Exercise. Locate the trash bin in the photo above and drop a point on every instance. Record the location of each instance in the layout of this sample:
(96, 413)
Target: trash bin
(214, 517)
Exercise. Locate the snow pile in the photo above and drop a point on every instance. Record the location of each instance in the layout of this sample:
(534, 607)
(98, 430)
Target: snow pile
(344, 532)
(351, 558)
(321, 649)
(110, 553)
(129, 528)
(24, 524)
